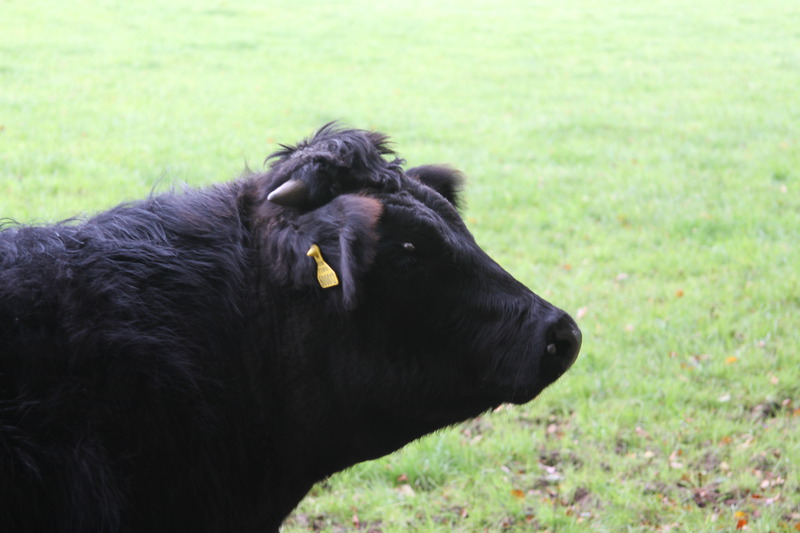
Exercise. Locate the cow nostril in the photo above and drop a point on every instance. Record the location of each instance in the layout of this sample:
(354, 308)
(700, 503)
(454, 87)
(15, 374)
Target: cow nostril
(564, 340)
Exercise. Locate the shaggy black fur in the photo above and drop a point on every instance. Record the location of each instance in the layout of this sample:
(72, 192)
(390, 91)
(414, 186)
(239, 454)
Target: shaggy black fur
(173, 365)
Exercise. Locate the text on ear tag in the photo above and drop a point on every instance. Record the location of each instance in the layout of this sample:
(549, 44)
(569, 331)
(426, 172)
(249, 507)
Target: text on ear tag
(325, 274)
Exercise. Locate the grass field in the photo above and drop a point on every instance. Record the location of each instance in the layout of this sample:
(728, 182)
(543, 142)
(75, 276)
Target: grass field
(636, 163)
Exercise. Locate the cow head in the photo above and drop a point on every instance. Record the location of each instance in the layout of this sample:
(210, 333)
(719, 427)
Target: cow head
(427, 329)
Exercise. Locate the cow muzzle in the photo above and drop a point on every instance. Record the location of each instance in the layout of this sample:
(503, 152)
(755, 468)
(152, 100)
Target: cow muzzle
(563, 339)
(544, 356)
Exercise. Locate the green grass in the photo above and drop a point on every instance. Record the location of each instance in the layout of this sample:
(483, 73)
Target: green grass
(636, 163)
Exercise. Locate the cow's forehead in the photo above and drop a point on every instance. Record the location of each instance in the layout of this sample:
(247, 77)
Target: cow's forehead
(415, 201)
(414, 194)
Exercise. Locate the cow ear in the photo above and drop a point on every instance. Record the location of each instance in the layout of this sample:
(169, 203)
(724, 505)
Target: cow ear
(357, 240)
(327, 249)
(445, 180)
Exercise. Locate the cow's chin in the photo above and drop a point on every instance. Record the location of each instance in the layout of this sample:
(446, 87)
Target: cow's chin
(520, 383)
(422, 423)
(524, 395)
(517, 394)
(513, 388)
(397, 429)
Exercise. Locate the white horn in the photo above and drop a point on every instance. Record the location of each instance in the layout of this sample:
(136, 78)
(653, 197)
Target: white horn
(293, 193)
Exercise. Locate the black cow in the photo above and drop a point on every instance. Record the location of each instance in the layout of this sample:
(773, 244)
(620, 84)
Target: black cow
(197, 360)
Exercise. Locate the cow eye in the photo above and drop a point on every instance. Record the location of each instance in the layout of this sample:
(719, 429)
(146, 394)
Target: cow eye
(408, 247)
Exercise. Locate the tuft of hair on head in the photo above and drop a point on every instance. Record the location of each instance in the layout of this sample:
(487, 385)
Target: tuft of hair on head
(335, 138)
(333, 161)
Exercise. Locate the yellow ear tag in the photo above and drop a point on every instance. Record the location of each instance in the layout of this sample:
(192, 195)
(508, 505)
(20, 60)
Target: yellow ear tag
(325, 274)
